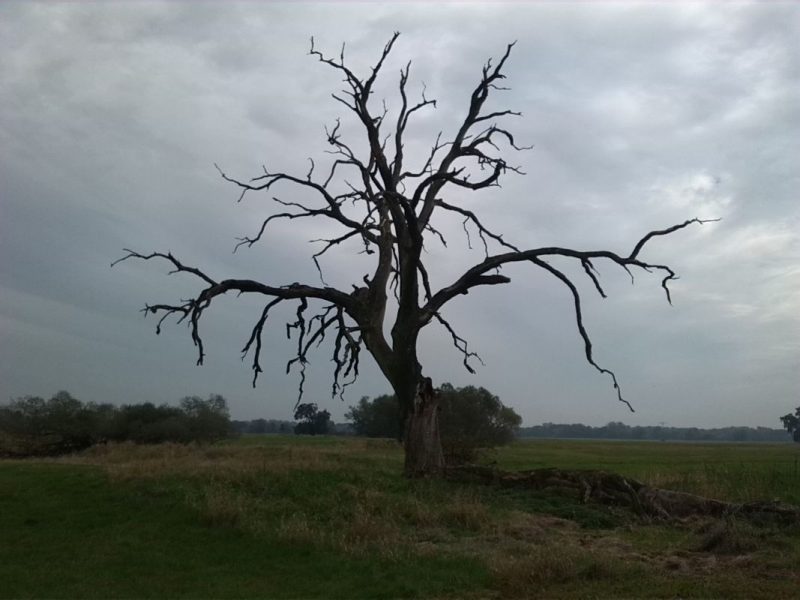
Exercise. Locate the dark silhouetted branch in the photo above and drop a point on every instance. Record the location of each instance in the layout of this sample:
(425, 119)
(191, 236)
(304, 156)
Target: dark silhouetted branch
(370, 195)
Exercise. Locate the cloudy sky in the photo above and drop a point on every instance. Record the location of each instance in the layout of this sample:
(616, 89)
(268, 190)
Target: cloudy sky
(641, 116)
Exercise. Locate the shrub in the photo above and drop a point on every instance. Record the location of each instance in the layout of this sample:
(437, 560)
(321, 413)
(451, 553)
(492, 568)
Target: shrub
(378, 418)
(32, 426)
(470, 419)
(311, 420)
(791, 423)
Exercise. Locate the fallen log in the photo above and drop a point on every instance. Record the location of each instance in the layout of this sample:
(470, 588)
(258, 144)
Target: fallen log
(615, 490)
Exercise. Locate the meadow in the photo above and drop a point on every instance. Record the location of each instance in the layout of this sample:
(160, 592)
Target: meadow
(332, 517)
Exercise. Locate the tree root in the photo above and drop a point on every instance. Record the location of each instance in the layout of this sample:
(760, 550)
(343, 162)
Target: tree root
(615, 490)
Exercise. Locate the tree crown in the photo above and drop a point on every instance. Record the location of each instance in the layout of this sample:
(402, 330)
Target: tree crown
(388, 204)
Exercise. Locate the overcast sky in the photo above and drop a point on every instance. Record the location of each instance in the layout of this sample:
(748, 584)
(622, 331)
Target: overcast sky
(641, 115)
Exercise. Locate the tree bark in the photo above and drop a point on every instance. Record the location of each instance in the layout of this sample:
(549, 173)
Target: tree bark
(421, 442)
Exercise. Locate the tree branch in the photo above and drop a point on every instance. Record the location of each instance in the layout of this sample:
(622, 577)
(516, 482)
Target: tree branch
(587, 342)
(475, 277)
(640, 244)
(460, 344)
(468, 279)
(428, 190)
(333, 209)
(389, 207)
(193, 309)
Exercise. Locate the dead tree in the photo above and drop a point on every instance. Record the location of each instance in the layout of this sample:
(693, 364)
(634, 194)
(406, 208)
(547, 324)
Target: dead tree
(389, 207)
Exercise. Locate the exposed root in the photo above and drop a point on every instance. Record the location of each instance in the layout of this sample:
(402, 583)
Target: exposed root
(616, 490)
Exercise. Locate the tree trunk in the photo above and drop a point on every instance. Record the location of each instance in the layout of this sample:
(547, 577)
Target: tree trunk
(422, 444)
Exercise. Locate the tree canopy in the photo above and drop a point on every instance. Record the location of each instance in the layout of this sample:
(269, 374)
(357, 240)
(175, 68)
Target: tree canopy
(792, 424)
(311, 420)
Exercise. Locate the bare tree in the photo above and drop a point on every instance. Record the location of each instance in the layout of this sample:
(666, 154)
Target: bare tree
(390, 211)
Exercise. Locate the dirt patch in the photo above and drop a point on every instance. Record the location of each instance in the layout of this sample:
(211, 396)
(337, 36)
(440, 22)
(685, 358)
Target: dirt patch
(730, 538)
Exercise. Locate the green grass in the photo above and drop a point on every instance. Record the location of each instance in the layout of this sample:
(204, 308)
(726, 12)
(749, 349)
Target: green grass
(735, 472)
(280, 517)
(70, 532)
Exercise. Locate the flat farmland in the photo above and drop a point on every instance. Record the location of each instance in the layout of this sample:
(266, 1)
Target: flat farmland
(332, 517)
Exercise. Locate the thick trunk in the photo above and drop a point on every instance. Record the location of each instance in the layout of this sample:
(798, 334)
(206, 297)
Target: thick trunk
(423, 446)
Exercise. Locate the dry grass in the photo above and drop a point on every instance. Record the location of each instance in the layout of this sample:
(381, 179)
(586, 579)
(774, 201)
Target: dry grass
(731, 537)
(228, 461)
(530, 527)
(296, 528)
(466, 511)
(275, 490)
(234, 487)
(219, 507)
(347, 495)
(540, 566)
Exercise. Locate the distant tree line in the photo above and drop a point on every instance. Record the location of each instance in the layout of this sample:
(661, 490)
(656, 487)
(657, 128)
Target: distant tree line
(310, 421)
(620, 431)
(33, 426)
(262, 426)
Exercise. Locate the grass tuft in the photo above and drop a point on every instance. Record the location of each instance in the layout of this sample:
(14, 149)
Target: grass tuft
(297, 529)
(524, 576)
(731, 537)
(465, 511)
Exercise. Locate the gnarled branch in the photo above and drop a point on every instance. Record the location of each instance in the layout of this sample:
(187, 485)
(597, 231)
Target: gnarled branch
(389, 206)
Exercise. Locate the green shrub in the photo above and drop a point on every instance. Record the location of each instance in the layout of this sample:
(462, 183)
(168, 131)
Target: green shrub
(470, 418)
(32, 426)
(311, 420)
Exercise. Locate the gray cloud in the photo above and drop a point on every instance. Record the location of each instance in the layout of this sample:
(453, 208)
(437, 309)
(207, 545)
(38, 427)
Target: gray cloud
(640, 115)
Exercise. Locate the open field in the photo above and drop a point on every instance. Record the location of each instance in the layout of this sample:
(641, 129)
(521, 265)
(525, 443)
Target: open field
(735, 472)
(285, 517)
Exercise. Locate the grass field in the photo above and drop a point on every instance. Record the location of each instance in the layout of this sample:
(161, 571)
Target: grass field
(284, 517)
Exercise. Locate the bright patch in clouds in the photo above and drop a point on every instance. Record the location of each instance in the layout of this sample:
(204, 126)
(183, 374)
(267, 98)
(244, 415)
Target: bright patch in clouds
(697, 194)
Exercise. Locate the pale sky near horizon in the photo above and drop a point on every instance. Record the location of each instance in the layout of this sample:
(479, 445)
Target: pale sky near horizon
(642, 115)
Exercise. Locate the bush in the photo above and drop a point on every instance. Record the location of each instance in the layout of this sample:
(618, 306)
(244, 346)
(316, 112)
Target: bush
(792, 424)
(207, 420)
(311, 420)
(470, 418)
(378, 418)
(32, 426)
